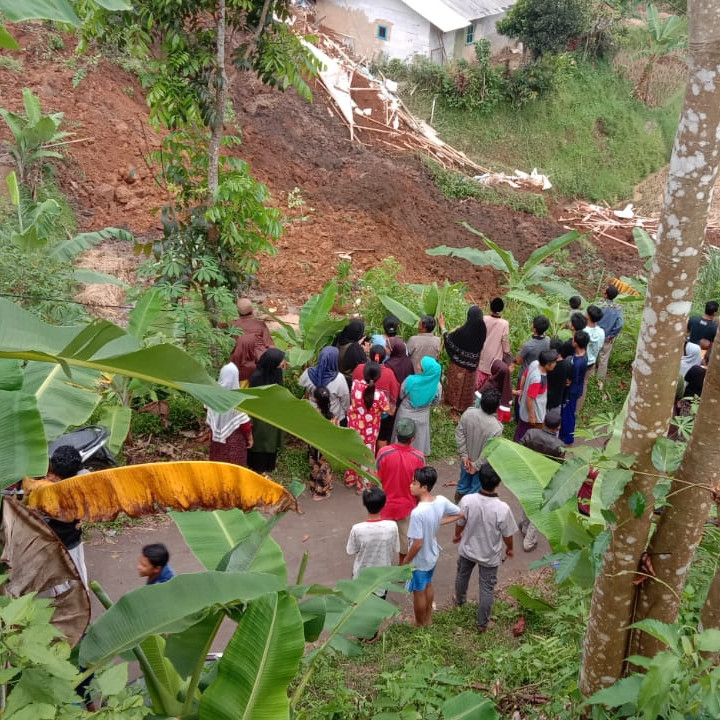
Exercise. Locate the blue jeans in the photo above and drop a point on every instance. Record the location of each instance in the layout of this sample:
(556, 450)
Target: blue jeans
(467, 483)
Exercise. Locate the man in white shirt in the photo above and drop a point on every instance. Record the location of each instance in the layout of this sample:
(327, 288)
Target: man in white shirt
(424, 550)
(597, 340)
(487, 525)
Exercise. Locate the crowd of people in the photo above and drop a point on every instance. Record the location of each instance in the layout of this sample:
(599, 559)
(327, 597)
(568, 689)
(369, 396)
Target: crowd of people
(384, 389)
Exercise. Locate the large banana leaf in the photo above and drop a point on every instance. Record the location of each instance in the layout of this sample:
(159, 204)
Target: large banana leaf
(168, 608)
(545, 251)
(352, 611)
(23, 446)
(472, 255)
(258, 664)
(232, 540)
(139, 490)
(62, 400)
(58, 10)
(403, 313)
(469, 706)
(104, 347)
(67, 250)
(527, 473)
(37, 561)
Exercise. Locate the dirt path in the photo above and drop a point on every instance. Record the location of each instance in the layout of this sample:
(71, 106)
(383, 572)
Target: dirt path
(321, 530)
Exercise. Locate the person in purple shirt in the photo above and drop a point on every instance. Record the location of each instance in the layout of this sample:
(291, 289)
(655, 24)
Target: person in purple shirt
(153, 564)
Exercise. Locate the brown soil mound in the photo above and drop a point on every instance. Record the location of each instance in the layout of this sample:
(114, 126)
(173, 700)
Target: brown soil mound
(366, 201)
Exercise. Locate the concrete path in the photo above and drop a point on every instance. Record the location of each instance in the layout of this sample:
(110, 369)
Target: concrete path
(321, 529)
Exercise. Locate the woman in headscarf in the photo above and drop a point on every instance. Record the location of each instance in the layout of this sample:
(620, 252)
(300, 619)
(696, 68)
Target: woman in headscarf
(267, 438)
(463, 347)
(231, 432)
(243, 355)
(417, 395)
(691, 357)
(367, 404)
(399, 361)
(325, 374)
(501, 380)
(351, 352)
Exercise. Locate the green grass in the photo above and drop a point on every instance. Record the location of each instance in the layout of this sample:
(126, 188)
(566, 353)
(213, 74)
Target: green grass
(591, 137)
(412, 669)
(456, 186)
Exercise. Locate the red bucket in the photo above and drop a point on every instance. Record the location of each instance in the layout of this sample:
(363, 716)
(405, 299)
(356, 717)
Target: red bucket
(503, 414)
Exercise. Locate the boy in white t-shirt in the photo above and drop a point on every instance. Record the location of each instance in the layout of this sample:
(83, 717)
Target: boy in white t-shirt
(430, 513)
(374, 542)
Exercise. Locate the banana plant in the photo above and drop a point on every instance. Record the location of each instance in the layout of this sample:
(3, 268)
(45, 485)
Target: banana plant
(100, 349)
(316, 328)
(518, 278)
(431, 301)
(245, 583)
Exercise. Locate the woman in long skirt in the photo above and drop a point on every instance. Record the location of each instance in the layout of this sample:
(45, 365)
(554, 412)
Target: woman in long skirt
(231, 432)
(268, 439)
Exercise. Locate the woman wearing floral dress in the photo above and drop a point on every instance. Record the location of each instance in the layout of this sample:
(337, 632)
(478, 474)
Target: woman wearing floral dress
(367, 404)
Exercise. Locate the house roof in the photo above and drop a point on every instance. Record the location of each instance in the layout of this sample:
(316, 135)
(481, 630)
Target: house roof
(439, 13)
(451, 15)
(476, 9)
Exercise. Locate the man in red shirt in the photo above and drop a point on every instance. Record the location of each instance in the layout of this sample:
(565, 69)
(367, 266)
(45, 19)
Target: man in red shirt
(389, 385)
(396, 464)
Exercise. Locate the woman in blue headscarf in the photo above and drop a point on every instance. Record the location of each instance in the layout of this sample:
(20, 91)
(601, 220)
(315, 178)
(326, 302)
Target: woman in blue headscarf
(418, 394)
(326, 374)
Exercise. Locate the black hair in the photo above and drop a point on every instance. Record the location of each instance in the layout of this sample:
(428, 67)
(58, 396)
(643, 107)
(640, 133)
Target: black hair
(489, 479)
(711, 307)
(66, 462)
(556, 344)
(575, 302)
(578, 321)
(157, 554)
(582, 339)
(567, 349)
(611, 292)
(594, 313)
(553, 420)
(390, 325)
(322, 400)
(374, 499)
(547, 356)
(371, 374)
(428, 322)
(540, 324)
(490, 400)
(497, 305)
(377, 353)
(426, 477)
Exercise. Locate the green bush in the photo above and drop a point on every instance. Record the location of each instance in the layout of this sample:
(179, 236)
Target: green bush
(144, 424)
(185, 413)
(531, 82)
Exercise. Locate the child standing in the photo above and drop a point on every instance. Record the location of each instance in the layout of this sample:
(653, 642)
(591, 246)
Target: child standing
(424, 551)
(576, 388)
(367, 404)
(154, 564)
(374, 542)
(321, 474)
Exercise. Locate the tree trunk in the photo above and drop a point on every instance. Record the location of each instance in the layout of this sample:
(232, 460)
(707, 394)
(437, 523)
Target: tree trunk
(710, 616)
(667, 304)
(220, 100)
(681, 525)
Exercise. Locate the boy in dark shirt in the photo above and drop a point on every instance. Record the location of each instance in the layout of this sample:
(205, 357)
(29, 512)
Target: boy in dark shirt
(576, 387)
(66, 463)
(702, 329)
(153, 564)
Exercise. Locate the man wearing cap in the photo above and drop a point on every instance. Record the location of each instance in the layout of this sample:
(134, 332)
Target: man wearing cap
(396, 465)
(476, 427)
(250, 325)
(544, 440)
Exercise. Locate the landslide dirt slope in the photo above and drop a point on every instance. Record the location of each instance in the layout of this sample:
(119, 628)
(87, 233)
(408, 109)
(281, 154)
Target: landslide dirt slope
(366, 201)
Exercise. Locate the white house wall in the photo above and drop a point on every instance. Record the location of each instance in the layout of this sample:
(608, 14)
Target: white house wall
(357, 21)
(485, 28)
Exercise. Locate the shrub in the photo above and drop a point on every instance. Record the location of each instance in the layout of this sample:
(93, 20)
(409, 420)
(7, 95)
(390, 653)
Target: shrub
(531, 82)
(546, 26)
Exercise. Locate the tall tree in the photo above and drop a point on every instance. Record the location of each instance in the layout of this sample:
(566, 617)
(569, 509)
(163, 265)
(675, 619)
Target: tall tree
(693, 168)
(680, 527)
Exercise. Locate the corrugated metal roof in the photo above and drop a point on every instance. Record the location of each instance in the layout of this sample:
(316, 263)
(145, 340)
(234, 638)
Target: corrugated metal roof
(475, 9)
(439, 13)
